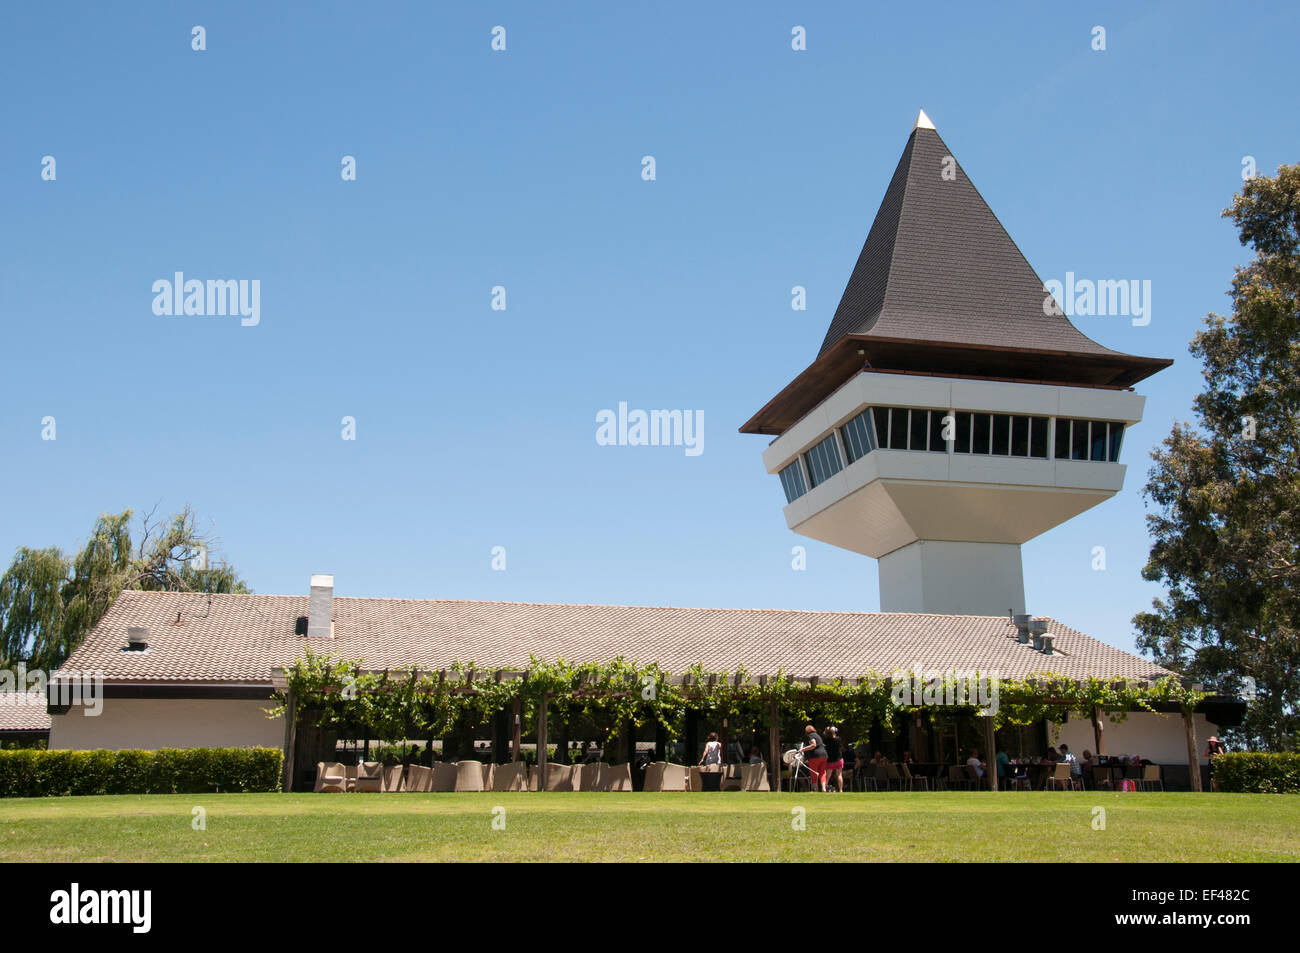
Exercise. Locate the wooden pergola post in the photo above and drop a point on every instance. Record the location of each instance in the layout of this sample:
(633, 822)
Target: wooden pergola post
(290, 740)
(774, 743)
(516, 729)
(542, 706)
(1193, 761)
(1098, 730)
(990, 744)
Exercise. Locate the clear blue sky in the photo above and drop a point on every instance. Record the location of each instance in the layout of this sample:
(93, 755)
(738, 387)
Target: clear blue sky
(476, 428)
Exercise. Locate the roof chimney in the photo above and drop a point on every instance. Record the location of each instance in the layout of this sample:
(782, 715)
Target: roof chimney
(1038, 627)
(137, 638)
(320, 607)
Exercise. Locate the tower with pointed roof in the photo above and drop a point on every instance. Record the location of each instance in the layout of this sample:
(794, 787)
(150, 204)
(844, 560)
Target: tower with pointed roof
(953, 412)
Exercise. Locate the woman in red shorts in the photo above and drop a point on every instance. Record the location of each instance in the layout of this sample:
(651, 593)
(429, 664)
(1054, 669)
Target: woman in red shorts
(814, 750)
(834, 761)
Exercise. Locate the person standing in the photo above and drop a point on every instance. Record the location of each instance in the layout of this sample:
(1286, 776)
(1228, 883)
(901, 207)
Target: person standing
(712, 752)
(834, 760)
(814, 750)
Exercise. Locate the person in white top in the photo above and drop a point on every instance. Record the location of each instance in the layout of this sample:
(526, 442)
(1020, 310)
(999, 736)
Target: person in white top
(712, 751)
(974, 762)
(1068, 756)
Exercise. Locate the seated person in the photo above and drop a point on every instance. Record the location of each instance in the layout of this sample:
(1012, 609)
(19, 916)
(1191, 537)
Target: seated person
(1068, 757)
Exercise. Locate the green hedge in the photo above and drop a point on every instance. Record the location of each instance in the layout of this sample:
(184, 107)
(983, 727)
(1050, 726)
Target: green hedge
(33, 773)
(1252, 772)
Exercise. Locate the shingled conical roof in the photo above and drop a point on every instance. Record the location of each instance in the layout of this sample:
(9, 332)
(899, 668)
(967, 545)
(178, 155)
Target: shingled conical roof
(938, 266)
(940, 288)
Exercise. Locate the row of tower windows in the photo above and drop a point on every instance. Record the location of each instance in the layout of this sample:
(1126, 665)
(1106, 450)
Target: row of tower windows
(944, 431)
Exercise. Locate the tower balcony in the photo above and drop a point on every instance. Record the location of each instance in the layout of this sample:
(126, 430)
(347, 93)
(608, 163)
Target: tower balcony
(889, 460)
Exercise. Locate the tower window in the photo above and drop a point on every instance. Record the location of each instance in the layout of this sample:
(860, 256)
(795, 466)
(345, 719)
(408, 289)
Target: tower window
(937, 443)
(1001, 434)
(823, 461)
(858, 438)
(792, 482)
(962, 444)
(881, 416)
(1116, 438)
(1078, 440)
(1038, 437)
(919, 429)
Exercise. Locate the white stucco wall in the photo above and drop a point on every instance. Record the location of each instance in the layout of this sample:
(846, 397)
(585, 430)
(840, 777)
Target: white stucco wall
(953, 578)
(169, 723)
(1158, 738)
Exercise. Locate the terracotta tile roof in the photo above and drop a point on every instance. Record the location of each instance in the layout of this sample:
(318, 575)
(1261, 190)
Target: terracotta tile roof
(238, 638)
(23, 711)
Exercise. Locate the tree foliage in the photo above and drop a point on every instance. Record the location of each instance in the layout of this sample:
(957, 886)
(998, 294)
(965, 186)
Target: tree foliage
(1226, 491)
(49, 599)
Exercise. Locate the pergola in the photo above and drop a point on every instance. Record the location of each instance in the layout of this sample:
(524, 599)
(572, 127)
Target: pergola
(701, 689)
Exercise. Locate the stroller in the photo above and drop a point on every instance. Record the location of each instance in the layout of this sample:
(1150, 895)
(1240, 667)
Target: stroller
(799, 770)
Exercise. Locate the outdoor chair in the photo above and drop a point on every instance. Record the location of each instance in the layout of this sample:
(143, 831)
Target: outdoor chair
(370, 777)
(444, 777)
(753, 777)
(330, 777)
(654, 777)
(488, 769)
(731, 778)
(589, 776)
(616, 777)
(895, 779)
(350, 772)
(1060, 779)
(1150, 778)
(392, 779)
(957, 778)
(694, 779)
(973, 778)
(675, 777)
(469, 776)
(913, 780)
(1101, 777)
(559, 777)
(882, 776)
(864, 778)
(510, 777)
(419, 778)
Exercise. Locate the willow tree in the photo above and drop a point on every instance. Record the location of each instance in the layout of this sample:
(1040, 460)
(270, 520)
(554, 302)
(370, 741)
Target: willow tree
(1226, 491)
(49, 599)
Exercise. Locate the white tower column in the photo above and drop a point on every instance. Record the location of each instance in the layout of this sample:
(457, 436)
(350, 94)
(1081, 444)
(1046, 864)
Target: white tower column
(951, 578)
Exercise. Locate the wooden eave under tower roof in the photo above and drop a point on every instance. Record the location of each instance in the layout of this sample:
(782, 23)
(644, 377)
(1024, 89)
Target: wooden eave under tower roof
(940, 288)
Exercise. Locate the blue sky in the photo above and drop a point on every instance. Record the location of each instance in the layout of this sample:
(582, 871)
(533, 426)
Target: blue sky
(476, 428)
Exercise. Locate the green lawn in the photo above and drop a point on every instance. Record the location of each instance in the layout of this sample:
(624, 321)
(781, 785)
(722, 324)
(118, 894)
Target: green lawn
(957, 826)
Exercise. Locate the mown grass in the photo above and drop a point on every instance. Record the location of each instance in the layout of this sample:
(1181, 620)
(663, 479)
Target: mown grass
(732, 826)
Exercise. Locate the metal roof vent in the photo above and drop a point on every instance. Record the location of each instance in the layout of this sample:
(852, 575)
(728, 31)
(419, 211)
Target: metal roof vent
(1021, 620)
(1038, 628)
(137, 639)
